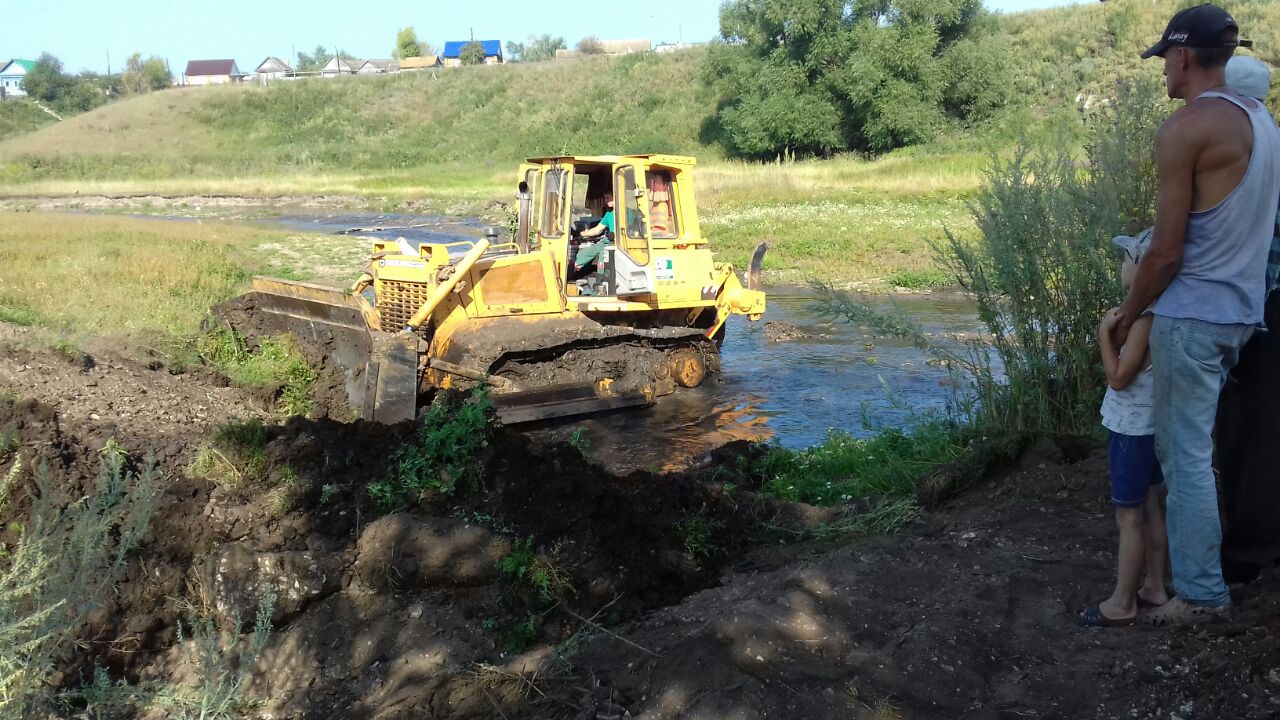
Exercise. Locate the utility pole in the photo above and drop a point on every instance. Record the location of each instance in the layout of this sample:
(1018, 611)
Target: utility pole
(108, 63)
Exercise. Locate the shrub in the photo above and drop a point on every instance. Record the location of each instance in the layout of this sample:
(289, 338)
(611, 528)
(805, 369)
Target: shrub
(1043, 271)
(524, 570)
(221, 663)
(445, 454)
(69, 556)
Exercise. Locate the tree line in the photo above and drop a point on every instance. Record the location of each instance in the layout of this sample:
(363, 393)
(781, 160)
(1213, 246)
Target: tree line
(815, 77)
(48, 83)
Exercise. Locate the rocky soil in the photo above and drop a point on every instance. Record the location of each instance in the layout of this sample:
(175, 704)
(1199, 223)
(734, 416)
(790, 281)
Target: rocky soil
(969, 613)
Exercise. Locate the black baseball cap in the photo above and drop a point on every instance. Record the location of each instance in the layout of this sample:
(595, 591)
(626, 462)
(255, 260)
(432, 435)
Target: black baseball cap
(1202, 26)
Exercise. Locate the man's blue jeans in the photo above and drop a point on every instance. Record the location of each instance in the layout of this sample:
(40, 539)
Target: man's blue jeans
(1190, 360)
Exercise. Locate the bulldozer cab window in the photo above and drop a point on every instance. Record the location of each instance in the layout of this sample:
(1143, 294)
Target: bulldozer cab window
(662, 209)
(553, 204)
(528, 225)
(633, 238)
(579, 207)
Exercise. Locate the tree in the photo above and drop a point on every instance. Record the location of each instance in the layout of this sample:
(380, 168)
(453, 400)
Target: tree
(408, 45)
(590, 45)
(472, 53)
(314, 61)
(539, 48)
(141, 76)
(46, 82)
(820, 76)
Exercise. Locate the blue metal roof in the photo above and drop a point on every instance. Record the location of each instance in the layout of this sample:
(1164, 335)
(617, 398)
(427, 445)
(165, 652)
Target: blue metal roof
(453, 48)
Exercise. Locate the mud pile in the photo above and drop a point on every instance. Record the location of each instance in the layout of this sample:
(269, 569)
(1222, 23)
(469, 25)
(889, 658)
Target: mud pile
(665, 596)
(379, 613)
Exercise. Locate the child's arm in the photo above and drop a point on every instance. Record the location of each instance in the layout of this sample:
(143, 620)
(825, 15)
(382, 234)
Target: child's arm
(1123, 366)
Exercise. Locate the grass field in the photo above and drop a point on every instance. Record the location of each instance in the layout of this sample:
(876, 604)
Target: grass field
(151, 280)
(449, 142)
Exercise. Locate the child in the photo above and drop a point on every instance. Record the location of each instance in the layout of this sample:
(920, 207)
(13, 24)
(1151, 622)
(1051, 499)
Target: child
(1127, 414)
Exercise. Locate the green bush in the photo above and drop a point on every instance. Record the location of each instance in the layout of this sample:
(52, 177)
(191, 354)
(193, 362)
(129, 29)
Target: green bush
(817, 78)
(1043, 271)
(444, 455)
(69, 557)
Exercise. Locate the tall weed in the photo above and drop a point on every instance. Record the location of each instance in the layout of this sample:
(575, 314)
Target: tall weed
(445, 454)
(1043, 271)
(69, 557)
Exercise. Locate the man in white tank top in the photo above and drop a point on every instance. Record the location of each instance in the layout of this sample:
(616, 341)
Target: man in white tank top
(1204, 277)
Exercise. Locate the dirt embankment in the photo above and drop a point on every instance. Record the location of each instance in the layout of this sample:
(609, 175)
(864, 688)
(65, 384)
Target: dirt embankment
(672, 596)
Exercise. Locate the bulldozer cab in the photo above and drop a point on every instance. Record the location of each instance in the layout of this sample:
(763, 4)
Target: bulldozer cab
(653, 210)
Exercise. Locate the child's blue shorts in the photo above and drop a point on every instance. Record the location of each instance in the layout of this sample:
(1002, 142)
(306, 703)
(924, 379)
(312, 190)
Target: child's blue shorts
(1134, 468)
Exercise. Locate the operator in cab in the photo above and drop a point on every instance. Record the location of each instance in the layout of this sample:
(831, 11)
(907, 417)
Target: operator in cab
(589, 254)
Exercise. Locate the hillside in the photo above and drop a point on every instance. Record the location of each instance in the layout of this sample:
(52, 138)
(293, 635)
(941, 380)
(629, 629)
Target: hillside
(638, 103)
(491, 115)
(18, 117)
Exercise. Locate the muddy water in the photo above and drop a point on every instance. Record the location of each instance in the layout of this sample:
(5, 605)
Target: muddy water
(827, 375)
(833, 377)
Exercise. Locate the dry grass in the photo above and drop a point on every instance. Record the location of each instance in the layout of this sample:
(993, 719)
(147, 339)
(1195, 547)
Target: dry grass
(161, 123)
(129, 276)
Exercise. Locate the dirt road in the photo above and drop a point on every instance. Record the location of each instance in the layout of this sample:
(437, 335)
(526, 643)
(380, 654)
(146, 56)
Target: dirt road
(970, 613)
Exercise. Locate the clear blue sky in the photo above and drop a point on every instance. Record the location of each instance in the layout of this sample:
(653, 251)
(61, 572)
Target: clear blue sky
(83, 32)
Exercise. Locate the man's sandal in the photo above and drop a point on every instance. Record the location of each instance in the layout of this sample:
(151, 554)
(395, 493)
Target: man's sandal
(1180, 612)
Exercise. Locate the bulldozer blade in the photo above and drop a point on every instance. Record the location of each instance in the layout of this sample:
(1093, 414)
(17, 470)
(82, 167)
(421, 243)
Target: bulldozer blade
(556, 401)
(753, 270)
(380, 370)
(310, 302)
(391, 379)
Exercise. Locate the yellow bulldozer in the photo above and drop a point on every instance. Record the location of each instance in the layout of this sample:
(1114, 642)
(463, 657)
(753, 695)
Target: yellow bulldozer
(551, 336)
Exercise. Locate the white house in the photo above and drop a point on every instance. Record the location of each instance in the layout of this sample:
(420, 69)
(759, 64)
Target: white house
(212, 72)
(11, 74)
(374, 67)
(273, 68)
(339, 66)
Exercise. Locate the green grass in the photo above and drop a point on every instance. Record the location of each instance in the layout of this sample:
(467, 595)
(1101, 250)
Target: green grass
(450, 144)
(235, 457)
(150, 280)
(275, 362)
(844, 468)
(444, 456)
(20, 116)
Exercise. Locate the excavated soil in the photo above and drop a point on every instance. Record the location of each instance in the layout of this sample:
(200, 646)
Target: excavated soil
(969, 613)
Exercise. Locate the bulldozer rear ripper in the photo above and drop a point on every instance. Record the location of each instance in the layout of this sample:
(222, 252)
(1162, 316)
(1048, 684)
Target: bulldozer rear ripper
(551, 336)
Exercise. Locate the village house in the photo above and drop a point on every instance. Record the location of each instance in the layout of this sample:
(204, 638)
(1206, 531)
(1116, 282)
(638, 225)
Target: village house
(340, 66)
(452, 55)
(375, 67)
(11, 75)
(611, 47)
(211, 72)
(273, 68)
(415, 64)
